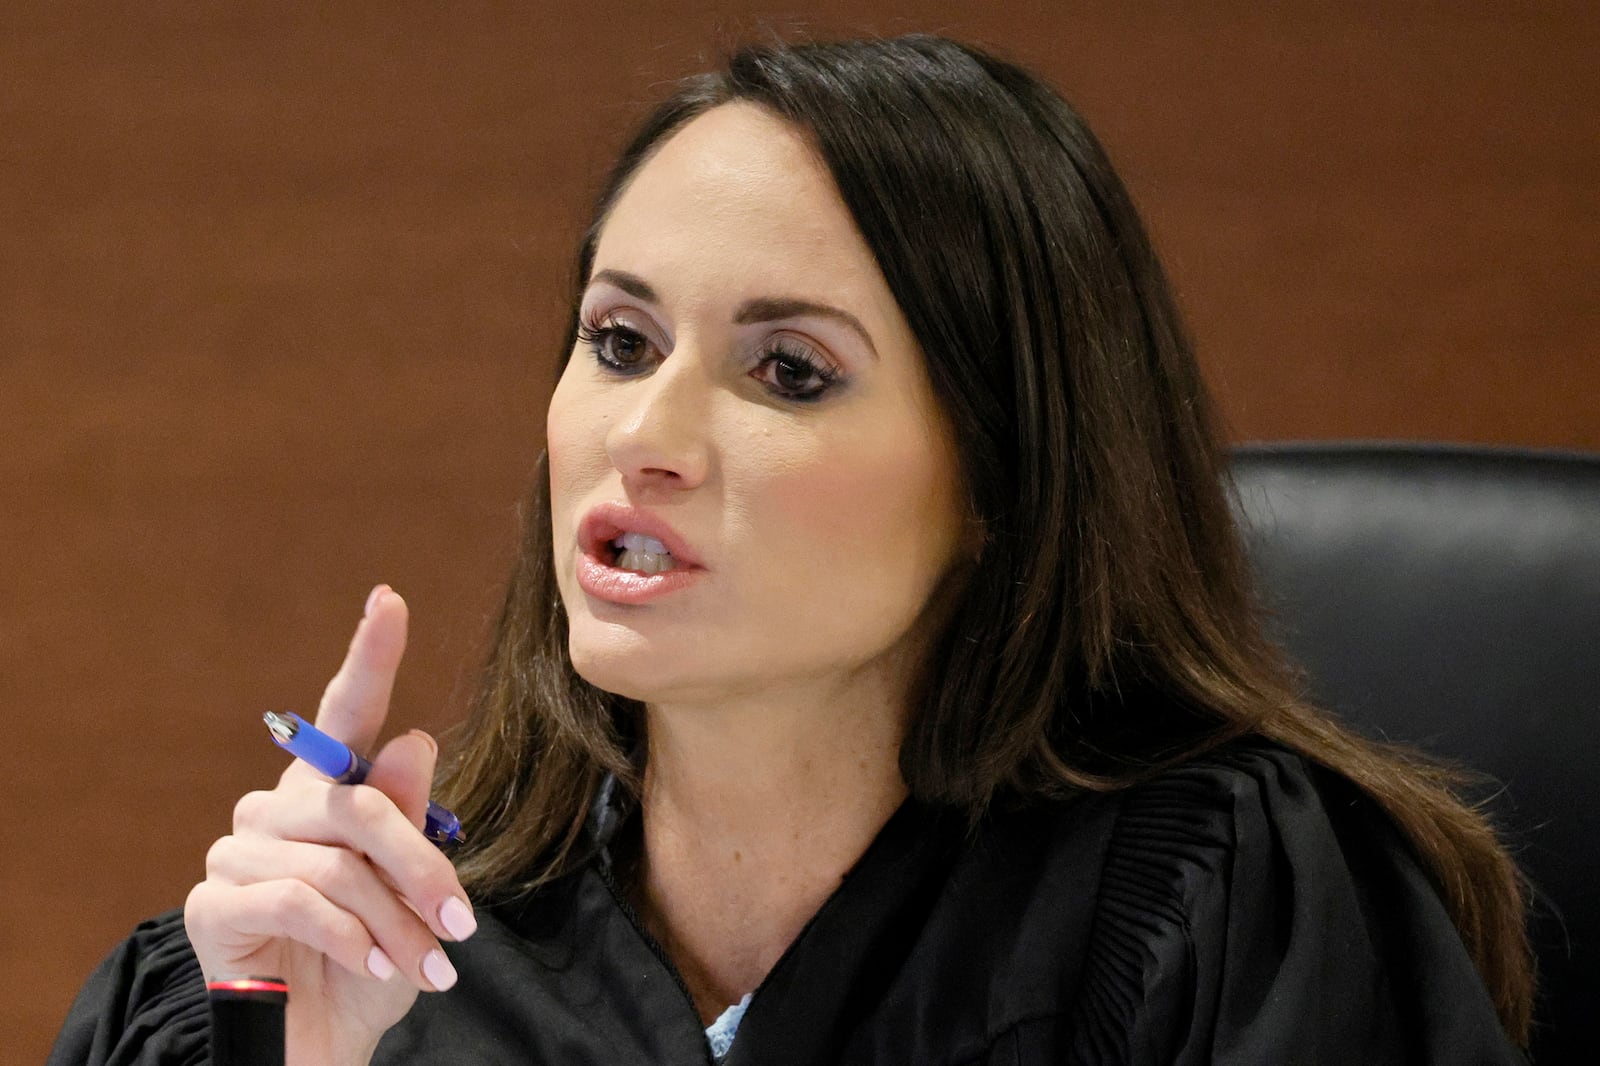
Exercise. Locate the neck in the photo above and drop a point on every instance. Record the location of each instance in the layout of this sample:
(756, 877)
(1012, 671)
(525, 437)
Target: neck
(751, 816)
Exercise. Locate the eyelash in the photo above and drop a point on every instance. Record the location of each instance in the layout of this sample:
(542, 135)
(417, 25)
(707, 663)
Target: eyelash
(598, 338)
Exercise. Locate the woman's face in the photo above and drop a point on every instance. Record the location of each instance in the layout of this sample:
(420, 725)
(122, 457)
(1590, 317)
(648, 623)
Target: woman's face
(745, 394)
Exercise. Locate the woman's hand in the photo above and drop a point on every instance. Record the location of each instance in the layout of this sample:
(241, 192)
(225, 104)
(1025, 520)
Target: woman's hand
(333, 887)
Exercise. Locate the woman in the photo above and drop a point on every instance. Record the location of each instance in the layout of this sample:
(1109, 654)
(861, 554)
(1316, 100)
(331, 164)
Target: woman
(879, 681)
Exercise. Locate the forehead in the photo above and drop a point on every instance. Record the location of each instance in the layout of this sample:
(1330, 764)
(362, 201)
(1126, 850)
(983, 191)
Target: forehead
(738, 200)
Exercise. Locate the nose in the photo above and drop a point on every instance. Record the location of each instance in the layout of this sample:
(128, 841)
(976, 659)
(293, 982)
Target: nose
(661, 440)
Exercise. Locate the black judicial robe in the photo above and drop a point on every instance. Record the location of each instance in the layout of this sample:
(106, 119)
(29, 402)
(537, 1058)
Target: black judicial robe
(1246, 908)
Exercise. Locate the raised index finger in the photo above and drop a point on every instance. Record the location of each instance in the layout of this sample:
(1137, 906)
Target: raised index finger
(356, 701)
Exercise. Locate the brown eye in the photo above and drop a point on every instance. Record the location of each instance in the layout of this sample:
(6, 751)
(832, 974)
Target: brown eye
(616, 348)
(624, 347)
(795, 374)
(792, 376)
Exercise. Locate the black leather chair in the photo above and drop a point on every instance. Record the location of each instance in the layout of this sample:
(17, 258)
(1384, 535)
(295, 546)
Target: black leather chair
(1449, 597)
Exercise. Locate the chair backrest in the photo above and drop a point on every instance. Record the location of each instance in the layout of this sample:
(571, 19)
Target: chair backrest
(1449, 597)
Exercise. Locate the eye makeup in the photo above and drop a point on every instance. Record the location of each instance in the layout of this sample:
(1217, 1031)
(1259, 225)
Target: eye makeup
(788, 367)
(794, 370)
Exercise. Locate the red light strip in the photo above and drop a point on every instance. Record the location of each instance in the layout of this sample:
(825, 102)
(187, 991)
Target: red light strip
(247, 984)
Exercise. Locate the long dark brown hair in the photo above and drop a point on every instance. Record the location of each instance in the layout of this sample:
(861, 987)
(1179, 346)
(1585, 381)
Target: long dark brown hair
(1109, 629)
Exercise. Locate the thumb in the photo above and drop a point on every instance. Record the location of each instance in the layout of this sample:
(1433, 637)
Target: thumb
(356, 701)
(403, 771)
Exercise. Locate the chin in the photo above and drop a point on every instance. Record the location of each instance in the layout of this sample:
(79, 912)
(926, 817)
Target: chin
(617, 682)
(618, 660)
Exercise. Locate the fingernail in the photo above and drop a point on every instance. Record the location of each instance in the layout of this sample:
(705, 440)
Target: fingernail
(379, 964)
(426, 739)
(372, 599)
(437, 969)
(457, 918)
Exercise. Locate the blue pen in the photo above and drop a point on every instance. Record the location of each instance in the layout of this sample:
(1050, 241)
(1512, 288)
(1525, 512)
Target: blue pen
(306, 742)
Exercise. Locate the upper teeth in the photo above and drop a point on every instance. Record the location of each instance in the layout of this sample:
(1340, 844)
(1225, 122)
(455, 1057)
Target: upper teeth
(635, 551)
(638, 542)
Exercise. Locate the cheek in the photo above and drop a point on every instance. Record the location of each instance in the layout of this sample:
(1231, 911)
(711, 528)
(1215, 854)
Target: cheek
(575, 458)
(880, 513)
(575, 435)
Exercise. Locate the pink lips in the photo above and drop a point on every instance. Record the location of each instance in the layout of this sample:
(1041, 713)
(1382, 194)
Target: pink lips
(600, 579)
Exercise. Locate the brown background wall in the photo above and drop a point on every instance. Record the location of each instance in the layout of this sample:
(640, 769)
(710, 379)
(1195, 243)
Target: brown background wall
(278, 294)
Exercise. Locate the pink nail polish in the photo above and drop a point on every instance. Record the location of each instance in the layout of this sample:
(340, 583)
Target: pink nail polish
(437, 969)
(379, 964)
(457, 918)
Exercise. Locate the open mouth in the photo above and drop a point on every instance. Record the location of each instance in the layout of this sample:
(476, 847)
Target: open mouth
(639, 553)
(634, 542)
(629, 557)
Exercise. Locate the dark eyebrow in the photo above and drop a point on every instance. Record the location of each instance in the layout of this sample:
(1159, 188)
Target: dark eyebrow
(632, 284)
(771, 308)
